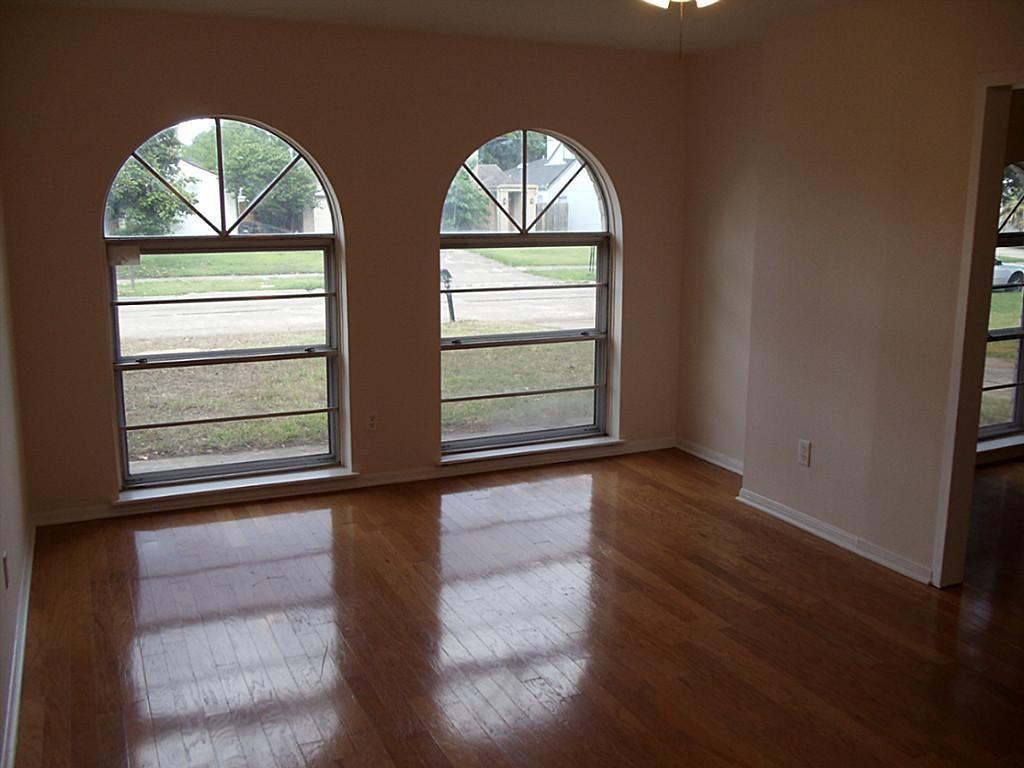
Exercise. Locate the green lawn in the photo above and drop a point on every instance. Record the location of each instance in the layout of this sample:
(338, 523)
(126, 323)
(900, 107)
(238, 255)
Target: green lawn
(1005, 311)
(173, 288)
(167, 395)
(996, 407)
(170, 394)
(166, 265)
(523, 369)
(566, 263)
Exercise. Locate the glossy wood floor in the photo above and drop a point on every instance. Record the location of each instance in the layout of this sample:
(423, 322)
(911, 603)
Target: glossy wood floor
(618, 612)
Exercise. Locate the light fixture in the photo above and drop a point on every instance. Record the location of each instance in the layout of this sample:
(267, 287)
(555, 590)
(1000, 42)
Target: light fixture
(666, 3)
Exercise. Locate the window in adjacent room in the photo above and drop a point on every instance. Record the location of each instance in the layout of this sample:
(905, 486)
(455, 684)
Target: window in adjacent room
(525, 292)
(1002, 401)
(225, 305)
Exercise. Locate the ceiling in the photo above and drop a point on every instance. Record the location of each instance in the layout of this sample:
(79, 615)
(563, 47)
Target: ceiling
(617, 23)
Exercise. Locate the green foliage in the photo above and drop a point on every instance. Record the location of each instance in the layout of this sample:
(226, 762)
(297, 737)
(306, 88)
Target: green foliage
(467, 207)
(507, 151)
(138, 204)
(574, 263)
(1013, 191)
(252, 159)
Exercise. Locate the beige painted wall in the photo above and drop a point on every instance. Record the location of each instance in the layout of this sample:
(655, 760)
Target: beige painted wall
(389, 116)
(14, 528)
(722, 118)
(863, 190)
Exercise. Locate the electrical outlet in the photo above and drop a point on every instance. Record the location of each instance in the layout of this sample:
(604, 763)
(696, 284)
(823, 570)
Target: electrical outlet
(803, 453)
(371, 421)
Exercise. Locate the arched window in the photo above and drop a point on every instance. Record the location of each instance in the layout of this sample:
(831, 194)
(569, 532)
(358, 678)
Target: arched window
(225, 303)
(524, 296)
(1002, 403)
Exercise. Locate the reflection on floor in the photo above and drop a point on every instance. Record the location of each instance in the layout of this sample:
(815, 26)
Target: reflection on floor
(995, 547)
(618, 612)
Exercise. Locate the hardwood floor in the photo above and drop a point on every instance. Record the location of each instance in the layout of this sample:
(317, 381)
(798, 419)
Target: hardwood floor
(618, 612)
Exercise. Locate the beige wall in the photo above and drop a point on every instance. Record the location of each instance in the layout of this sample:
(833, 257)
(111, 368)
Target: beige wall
(722, 118)
(867, 126)
(389, 117)
(823, 210)
(14, 528)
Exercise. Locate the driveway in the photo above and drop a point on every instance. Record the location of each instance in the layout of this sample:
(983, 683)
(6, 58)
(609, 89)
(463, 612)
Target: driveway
(552, 309)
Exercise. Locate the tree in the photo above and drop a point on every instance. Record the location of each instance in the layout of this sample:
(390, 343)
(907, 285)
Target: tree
(467, 207)
(253, 158)
(507, 151)
(138, 203)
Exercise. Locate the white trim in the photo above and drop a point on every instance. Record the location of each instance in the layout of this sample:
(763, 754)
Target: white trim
(343, 481)
(999, 449)
(837, 536)
(527, 450)
(10, 732)
(713, 457)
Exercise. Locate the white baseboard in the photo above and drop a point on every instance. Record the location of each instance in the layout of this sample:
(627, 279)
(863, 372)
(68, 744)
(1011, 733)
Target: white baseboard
(713, 457)
(360, 480)
(838, 536)
(10, 731)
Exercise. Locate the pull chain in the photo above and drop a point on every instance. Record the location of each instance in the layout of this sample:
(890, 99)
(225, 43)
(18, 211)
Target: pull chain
(680, 31)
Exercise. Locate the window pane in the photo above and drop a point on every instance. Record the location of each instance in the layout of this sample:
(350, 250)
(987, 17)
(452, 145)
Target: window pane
(253, 157)
(1007, 277)
(529, 413)
(530, 367)
(233, 442)
(502, 267)
(502, 312)
(498, 165)
(1011, 209)
(296, 205)
(164, 328)
(997, 407)
(186, 156)
(138, 205)
(162, 395)
(197, 275)
(1005, 310)
(1001, 362)
(467, 208)
(577, 208)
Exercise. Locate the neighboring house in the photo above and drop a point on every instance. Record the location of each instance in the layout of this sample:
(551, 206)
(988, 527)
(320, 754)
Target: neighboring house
(577, 206)
(202, 187)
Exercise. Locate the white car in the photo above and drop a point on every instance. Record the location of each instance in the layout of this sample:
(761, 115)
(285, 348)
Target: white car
(1007, 275)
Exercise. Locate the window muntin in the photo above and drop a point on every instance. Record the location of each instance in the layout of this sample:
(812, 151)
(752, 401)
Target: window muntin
(524, 296)
(1002, 400)
(225, 305)
(216, 177)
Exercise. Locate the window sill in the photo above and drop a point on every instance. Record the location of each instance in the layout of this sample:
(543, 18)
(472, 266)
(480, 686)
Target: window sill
(491, 454)
(1000, 449)
(231, 489)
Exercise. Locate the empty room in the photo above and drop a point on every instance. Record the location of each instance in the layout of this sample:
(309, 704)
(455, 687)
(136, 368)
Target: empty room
(551, 383)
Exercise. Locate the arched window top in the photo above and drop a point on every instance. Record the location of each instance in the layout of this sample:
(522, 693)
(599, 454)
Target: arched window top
(525, 182)
(1011, 209)
(216, 177)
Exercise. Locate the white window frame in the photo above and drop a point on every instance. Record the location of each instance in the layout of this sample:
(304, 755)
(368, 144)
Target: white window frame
(1015, 425)
(227, 241)
(599, 334)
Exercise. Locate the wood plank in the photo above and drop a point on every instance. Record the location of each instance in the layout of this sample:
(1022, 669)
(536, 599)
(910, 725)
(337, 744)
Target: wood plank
(625, 611)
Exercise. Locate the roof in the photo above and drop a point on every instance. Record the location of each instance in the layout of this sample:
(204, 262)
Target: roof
(540, 173)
